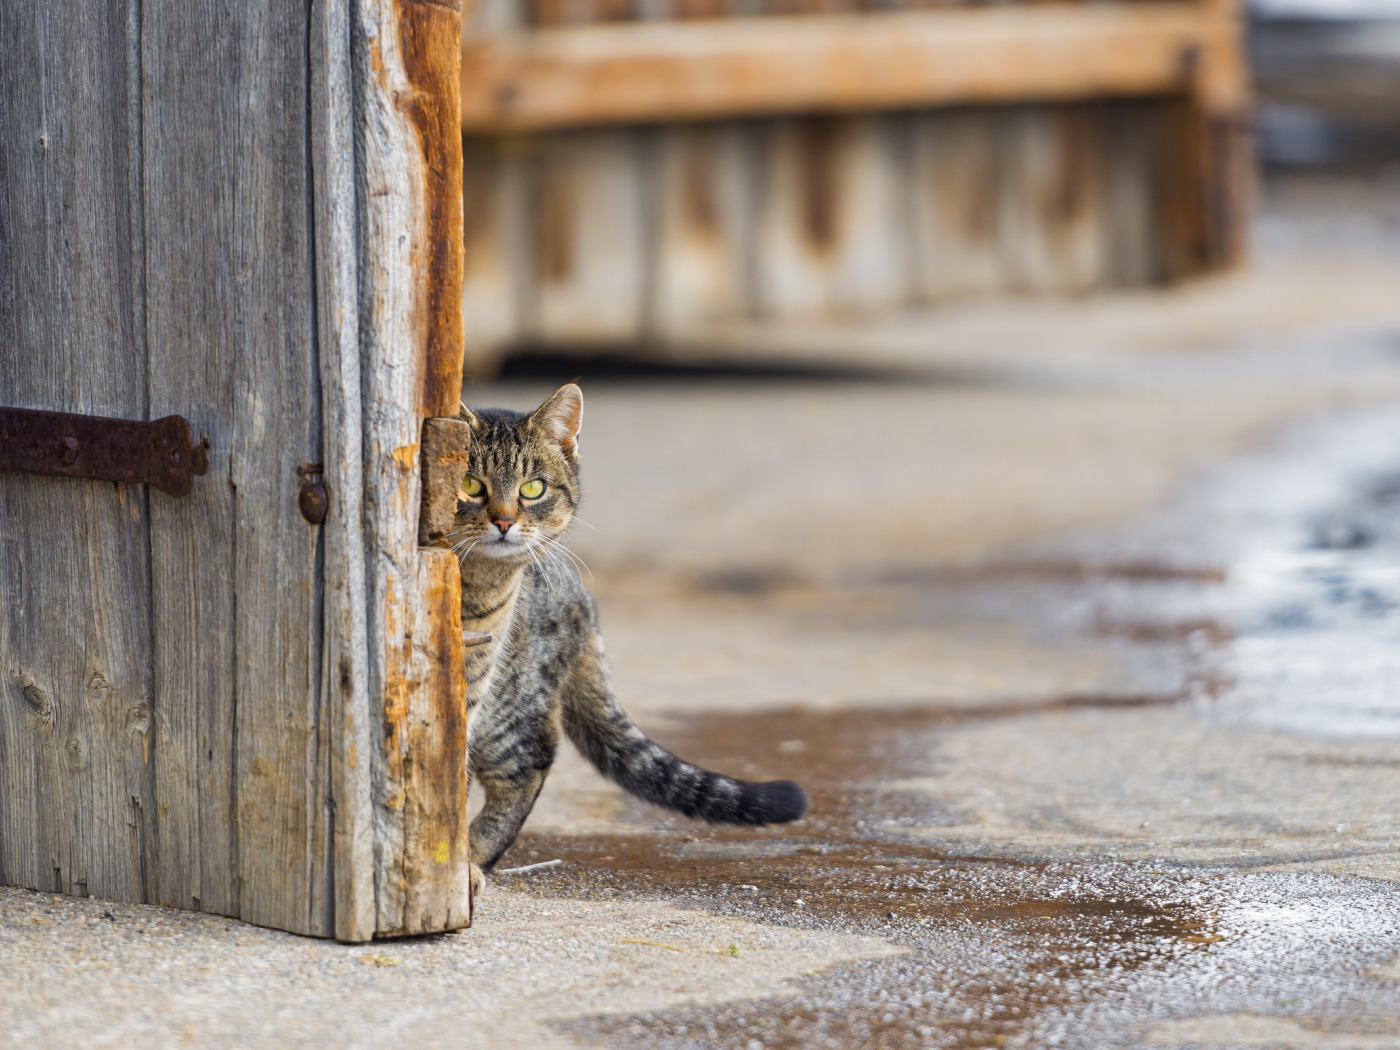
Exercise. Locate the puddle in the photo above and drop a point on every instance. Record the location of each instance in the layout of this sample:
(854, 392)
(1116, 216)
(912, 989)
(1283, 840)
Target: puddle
(993, 944)
(993, 951)
(1280, 569)
(998, 952)
(1317, 651)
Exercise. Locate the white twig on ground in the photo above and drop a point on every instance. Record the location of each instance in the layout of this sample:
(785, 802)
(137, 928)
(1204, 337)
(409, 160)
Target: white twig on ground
(529, 867)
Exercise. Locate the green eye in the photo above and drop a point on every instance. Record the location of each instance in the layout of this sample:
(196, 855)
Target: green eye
(471, 488)
(532, 489)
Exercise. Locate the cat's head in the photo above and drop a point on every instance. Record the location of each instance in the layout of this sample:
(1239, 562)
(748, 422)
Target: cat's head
(521, 486)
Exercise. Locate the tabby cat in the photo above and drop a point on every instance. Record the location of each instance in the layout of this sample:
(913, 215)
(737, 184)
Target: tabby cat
(545, 668)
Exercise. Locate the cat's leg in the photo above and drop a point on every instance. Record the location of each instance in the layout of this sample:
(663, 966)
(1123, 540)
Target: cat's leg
(511, 757)
(477, 878)
(513, 738)
(509, 800)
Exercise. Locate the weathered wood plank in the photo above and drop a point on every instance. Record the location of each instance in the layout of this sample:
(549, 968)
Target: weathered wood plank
(874, 265)
(798, 225)
(1048, 227)
(282, 863)
(428, 46)
(347, 716)
(410, 196)
(1180, 189)
(702, 236)
(589, 205)
(829, 232)
(235, 571)
(644, 71)
(442, 466)
(192, 543)
(75, 800)
(955, 174)
(496, 262)
(425, 730)
(1129, 130)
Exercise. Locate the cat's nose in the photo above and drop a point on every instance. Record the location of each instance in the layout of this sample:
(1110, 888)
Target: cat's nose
(503, 524)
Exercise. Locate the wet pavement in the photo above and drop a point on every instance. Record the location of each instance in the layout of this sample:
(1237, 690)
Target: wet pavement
(1207, 859)
(1050, 947)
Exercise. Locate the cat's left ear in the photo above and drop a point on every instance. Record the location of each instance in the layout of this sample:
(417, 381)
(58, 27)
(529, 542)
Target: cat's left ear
(560, 417)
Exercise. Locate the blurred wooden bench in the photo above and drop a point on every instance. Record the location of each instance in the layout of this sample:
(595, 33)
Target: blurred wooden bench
(637, 175)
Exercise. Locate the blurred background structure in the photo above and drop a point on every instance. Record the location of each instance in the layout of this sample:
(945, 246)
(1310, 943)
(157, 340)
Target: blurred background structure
(662, 175)
(1328, 77)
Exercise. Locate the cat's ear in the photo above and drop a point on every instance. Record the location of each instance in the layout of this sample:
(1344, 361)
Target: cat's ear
(467, 415)
(560, 416)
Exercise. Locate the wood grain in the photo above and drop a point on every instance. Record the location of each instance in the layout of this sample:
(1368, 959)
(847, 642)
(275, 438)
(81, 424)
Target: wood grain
(236, 575)
(348, 721)
(192, 542)
(425, 749)
(443, 465)
(188, 716)
(282, 787)
(428, 36)
(76, 805)
(144, 241)
(411, 371)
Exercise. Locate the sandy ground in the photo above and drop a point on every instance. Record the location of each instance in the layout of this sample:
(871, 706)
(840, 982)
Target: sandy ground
(939, 591)
(83, 973)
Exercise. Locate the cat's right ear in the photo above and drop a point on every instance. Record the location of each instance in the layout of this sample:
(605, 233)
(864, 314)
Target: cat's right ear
(467, 415)
(561, 416)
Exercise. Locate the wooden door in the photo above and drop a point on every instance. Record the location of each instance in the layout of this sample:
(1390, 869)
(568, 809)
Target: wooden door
(212, 702)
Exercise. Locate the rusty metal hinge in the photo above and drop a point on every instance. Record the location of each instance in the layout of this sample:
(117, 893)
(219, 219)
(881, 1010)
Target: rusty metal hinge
(162, 452)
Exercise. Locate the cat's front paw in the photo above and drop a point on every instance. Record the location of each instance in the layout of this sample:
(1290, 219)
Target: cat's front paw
(478, 881)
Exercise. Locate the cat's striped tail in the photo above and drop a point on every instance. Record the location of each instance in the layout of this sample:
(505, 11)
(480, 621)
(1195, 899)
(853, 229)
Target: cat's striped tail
(607, 737)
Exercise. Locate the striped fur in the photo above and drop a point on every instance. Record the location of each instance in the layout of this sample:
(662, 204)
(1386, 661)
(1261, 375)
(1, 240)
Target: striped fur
(545, 672)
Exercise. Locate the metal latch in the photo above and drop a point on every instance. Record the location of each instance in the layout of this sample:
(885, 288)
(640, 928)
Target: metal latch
(162, 452)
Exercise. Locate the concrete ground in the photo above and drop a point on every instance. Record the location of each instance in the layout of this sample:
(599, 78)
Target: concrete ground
(1073, 619)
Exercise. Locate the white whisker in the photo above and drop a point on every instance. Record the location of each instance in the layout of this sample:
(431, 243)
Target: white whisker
(544, 574)
(560, 545)
(554, 558)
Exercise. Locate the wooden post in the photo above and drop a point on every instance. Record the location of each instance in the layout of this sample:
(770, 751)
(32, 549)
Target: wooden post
(250, 217)
(407, 66)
